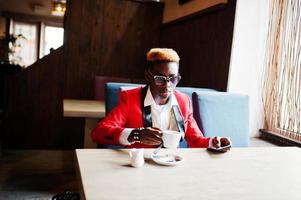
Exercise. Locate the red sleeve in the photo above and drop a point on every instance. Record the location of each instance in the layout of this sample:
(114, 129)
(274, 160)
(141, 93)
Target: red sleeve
(193, 134)
(108, 130)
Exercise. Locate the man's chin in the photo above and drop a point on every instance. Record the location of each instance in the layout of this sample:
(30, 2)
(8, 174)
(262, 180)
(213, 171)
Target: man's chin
(165, 95)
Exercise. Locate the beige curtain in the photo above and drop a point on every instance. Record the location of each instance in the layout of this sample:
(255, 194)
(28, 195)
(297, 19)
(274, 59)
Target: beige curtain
(282, 76)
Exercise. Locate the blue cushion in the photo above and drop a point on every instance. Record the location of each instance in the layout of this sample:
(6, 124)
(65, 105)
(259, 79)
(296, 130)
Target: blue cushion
(189, 90)
(223, 114)
(112, 93)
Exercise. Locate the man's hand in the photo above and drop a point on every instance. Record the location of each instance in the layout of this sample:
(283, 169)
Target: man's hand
(218, 142)
(149, 136)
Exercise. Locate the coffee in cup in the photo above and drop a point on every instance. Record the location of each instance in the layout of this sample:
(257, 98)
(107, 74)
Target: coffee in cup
(171, 138)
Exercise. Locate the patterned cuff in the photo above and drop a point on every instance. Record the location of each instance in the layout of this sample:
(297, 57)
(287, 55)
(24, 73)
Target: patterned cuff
(211, 140)
(123, 140)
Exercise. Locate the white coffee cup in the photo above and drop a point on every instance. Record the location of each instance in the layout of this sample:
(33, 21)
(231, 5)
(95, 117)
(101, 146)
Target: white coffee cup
(136, 157)
(171, 138)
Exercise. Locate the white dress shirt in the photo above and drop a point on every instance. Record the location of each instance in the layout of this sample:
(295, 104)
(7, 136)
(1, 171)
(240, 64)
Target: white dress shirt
(161, 116)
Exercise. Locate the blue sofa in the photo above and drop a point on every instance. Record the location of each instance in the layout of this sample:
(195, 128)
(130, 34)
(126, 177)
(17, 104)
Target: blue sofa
(217, 113)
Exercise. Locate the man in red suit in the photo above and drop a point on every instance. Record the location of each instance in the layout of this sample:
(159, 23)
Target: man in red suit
(143, 113)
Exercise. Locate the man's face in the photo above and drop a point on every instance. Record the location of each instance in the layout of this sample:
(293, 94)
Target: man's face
(163, 78)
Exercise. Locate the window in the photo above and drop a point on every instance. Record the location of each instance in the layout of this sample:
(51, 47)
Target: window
(27, 53)
(53, 38)
(40, 38)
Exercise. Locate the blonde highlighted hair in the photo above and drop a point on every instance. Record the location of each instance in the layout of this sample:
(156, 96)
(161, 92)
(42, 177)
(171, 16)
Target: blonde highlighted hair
(162, 55)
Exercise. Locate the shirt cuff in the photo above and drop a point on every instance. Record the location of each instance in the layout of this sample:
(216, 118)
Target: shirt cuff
(124, 136)
(210, 146)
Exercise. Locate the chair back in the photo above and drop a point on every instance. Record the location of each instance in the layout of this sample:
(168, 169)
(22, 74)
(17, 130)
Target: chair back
(112, 90)
(223, 114)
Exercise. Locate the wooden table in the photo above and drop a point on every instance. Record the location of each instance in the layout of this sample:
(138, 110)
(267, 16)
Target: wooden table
(242, 174)
(91, 110)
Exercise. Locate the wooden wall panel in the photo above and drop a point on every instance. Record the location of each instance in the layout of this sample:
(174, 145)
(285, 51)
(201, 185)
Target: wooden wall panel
(33, 108)
(111, 40)
(203, 42)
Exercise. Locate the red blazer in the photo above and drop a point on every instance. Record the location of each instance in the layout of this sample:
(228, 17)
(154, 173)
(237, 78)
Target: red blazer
(131, 113)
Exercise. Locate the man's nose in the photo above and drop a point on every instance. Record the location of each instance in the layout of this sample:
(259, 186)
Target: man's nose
(167, 83)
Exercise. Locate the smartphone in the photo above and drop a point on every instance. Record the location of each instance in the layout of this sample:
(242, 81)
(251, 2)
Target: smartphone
(220, 149)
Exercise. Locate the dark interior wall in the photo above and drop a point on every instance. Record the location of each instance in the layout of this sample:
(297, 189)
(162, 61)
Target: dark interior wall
(204, 43)
(102, 37)
(107, 37)
(33, 110)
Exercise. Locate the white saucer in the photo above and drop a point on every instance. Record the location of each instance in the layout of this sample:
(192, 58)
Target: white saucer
(167, 159)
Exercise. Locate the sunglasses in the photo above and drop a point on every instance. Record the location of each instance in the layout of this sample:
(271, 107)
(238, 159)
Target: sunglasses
(160, 80)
